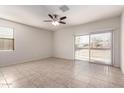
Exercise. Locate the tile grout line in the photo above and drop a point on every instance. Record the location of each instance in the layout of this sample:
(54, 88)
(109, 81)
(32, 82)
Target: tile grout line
(4, 78)
(27, 78)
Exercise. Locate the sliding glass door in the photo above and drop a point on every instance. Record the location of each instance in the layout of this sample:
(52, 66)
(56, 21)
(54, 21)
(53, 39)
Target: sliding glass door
(95, 48)
(82, 47)
(100, 47)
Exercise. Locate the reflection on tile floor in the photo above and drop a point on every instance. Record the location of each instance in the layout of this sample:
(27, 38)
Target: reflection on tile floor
(60, 73)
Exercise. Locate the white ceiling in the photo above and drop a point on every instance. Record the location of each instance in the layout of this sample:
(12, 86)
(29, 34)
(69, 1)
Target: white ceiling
(78, 14)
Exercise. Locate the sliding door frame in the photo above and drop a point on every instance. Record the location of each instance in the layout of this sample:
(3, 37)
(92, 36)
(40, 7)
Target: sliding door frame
(97, 32)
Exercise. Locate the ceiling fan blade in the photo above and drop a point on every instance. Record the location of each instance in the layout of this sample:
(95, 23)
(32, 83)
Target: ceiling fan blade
(47, 20)
(62, 18)
(62, 22)
(50, 16)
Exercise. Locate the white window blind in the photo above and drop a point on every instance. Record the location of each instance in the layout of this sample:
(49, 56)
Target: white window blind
(6, 38)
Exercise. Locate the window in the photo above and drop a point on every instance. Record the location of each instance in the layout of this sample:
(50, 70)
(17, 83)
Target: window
(6, 38)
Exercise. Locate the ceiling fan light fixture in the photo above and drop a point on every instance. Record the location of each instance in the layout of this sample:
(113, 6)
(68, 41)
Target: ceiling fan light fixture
(56, 20)
(55, 23)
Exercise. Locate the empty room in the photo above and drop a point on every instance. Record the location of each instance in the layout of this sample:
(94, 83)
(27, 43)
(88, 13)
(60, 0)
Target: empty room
(61, 46)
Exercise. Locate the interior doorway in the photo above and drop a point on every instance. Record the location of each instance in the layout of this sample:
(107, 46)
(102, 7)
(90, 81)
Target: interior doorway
(95, 47)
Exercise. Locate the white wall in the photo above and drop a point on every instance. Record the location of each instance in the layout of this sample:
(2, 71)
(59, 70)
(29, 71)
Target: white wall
(64, 38)
(30, 44)
(33, 44)
(122, 42)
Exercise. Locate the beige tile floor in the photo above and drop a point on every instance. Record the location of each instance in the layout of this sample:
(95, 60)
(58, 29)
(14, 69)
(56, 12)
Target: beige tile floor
(60, 73)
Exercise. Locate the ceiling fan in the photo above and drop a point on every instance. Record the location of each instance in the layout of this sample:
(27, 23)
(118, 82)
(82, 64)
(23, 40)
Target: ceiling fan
(56, 20)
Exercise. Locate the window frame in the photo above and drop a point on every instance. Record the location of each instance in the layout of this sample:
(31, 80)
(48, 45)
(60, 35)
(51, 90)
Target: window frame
(10, 39)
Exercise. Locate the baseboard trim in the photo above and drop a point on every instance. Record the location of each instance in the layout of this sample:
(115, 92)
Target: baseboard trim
(63, 58)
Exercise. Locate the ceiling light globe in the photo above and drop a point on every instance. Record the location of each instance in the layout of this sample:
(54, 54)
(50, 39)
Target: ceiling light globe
(55, 23)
